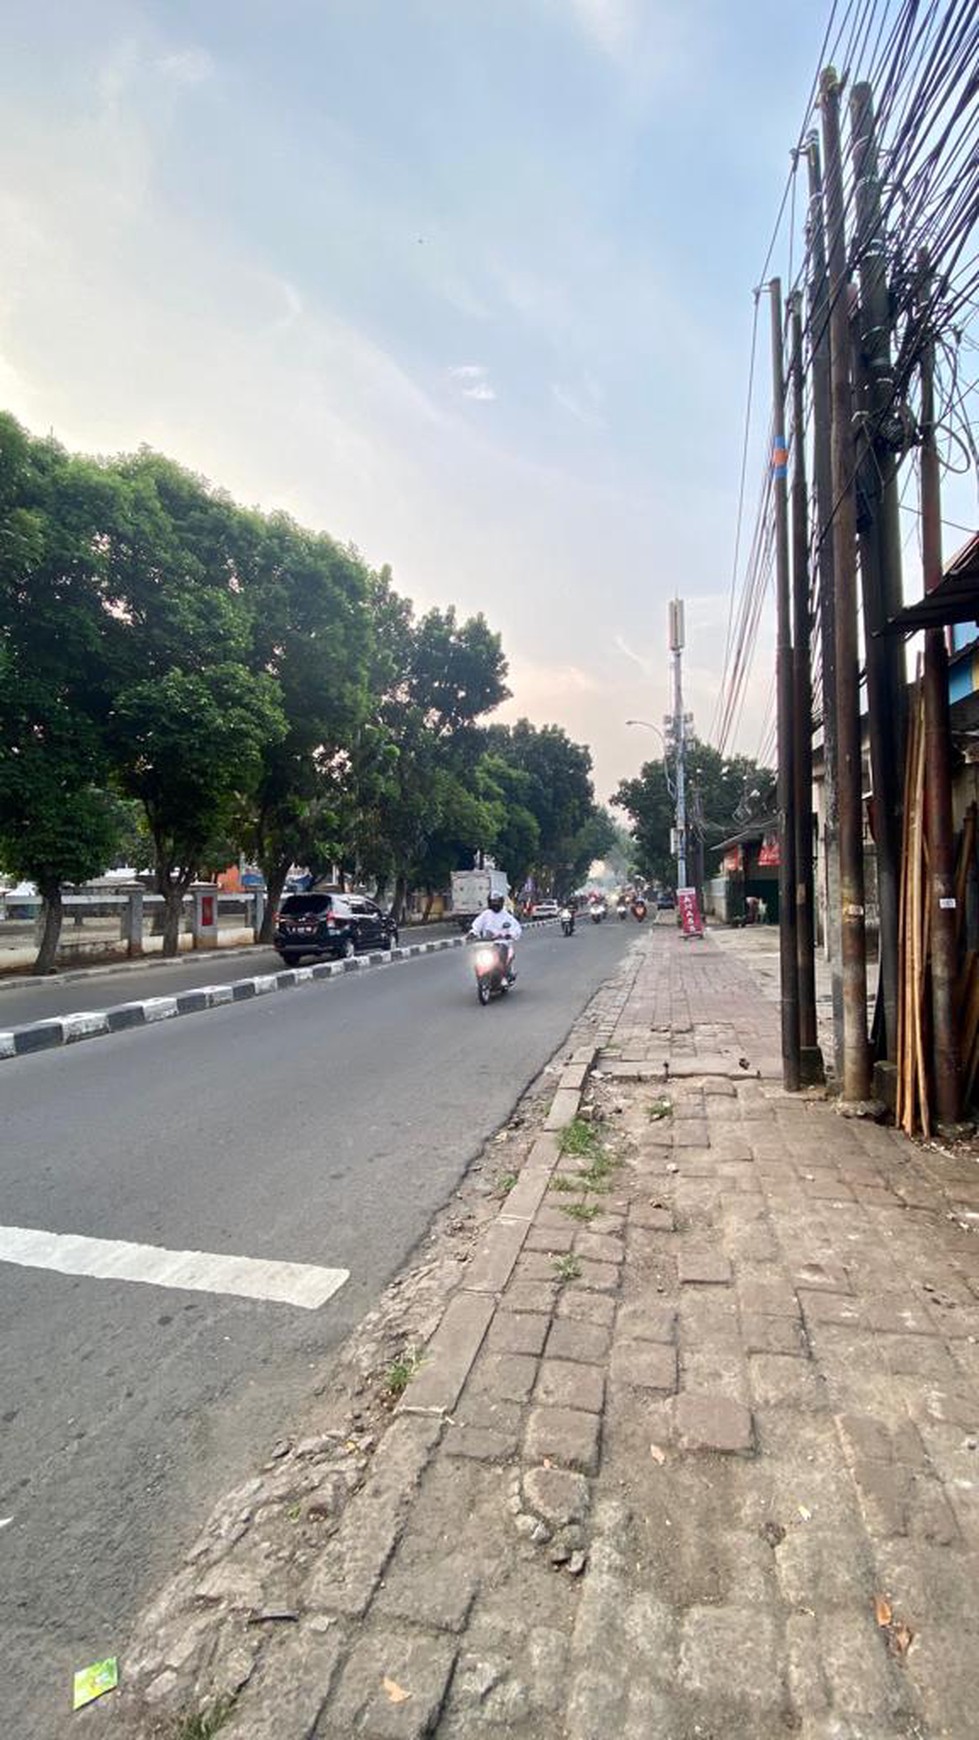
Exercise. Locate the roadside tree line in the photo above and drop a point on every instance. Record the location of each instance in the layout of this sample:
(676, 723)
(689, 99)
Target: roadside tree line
(183, 679)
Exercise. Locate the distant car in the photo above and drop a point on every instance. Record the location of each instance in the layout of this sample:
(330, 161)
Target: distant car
(547, 909)
(330, 926)
(665, 901)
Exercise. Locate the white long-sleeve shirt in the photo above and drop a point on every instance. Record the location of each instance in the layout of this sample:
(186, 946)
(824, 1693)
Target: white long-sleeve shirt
(495, 925)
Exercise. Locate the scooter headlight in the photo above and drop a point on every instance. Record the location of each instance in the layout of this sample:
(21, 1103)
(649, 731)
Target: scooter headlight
(485, 960)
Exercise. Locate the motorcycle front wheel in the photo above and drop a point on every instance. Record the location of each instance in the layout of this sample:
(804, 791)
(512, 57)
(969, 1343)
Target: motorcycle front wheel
(483, 992)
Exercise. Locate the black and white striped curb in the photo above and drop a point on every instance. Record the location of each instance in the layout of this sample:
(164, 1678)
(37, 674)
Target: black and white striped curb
(93, 1023)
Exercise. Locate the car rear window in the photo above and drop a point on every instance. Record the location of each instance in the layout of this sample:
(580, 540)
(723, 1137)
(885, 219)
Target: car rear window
(298, 904)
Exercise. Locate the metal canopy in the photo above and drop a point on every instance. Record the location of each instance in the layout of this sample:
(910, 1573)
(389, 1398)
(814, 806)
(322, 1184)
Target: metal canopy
(954, 599)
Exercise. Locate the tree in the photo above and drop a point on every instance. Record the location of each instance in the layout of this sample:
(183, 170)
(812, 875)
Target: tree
(722, 795)
(437, 676)
(311, 631)
(558, 794)
(191, 720)
(57, 823)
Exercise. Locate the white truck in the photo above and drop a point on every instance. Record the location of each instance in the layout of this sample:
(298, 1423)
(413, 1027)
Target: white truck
(471, 890)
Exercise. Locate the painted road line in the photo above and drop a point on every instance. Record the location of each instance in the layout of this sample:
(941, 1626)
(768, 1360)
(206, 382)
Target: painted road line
(302, 1284)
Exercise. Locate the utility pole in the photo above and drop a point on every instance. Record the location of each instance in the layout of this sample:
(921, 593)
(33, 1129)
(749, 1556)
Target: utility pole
(856, 1054)
(810, 1056)
(679, 722)
(823, 478)
(880, 549)
(938, 780)
(787, 925)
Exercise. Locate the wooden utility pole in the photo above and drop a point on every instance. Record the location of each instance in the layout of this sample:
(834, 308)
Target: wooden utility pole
(856, 1055)
(880, 549)
(823, 479)
(938, 778)
(787, 926)
(810, 1056)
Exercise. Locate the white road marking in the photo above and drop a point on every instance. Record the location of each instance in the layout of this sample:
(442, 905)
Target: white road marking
(302, 1284)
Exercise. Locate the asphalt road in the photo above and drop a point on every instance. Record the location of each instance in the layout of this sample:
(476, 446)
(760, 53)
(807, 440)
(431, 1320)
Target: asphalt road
(99, 987)
(325, 1125)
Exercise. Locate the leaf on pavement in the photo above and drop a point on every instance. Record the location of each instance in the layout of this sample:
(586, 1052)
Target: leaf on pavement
(396, 1693)
(900, 1638)
(657, 1454)
(883, 1610)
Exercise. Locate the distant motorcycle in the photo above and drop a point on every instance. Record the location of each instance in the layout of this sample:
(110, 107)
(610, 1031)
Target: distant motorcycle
(623, 911)
(598, 911)
(567, 921)
(639, 910)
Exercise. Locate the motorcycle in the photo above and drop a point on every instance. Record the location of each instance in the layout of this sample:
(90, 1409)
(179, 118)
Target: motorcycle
(623, 911)
(639, 910)
(598, 912)
(493, 966)
(567, 921)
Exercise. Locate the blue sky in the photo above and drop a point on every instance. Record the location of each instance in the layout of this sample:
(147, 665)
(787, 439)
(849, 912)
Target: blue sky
(467, 282)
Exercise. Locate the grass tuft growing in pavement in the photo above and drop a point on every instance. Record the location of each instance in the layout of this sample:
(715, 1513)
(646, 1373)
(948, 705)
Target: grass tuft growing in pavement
(581, 1210)
(202, 1724)
(580, 1139)
(401, 1372)
(505, 1183)
(567, 1268)
(661, 1109)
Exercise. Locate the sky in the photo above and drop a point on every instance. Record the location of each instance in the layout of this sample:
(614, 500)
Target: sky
(467, 283)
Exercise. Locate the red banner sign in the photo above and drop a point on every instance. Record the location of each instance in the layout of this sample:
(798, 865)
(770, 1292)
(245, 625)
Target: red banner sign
(768, 851)
(689, 908)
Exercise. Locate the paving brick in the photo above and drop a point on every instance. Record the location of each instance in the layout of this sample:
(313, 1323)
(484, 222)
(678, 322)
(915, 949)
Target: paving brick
(536, 1296)
(517, 1332)
(438, 1593)
(775, 1298)
(656, 1217)
(493, 1261)
(730, 1654)
(779, 1379)
(284, 1697)
(596, 1248)
(557, 1495)
(564, 1435)
(535, 1266)
(420, 1665)
(598, 1277)
(645, 1365)
(861, 1678)
(866, 1439)
(587, 1342)
(353, 1560)
(450, 1353)
(509, 1377)
(566, 1384)
(830, 1308)
(809, 1559)
(481, 1443)
(825, 1277)
(581, 1307)
(710, 1422)
(896, 1314)
(773, 1335)
(553, 1239)
(647, 1320)
(703, 1268)
(923, 1356)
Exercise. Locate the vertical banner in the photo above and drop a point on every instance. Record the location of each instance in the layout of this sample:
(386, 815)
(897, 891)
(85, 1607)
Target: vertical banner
(690, 919)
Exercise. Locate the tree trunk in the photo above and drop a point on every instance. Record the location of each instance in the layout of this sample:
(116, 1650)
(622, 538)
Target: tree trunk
(429, 903)
(51, 912)
(399, 898)
(275, 880)
(173, 897)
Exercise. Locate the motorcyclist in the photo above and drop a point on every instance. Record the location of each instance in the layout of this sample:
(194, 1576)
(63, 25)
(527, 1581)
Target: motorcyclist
(497, 925)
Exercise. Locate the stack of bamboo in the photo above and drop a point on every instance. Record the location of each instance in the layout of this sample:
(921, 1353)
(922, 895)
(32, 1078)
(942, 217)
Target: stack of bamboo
(914, 1054)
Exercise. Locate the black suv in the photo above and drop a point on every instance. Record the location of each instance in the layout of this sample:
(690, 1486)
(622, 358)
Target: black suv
(330, 925)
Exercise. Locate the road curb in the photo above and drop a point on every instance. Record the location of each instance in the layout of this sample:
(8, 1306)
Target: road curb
(61, 1030)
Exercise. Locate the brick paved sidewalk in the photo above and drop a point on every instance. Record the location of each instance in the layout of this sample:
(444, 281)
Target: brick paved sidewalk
(698, 1459)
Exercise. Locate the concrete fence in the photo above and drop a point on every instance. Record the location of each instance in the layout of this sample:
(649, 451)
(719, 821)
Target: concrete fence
(97, 922)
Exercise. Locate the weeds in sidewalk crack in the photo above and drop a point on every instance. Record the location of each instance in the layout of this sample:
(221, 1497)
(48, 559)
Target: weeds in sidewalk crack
(505, 1183)
(581, 1210)
(568, 1267)
(660, 1109)
(202, 1724)
(401, 1372)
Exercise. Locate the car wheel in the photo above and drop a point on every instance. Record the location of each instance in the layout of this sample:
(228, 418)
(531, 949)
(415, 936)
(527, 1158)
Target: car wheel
(347, 948)
(288, 959)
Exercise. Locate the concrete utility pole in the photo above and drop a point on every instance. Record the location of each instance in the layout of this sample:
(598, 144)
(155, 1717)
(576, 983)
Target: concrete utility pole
(823, 478)
(787, 926)
(938, 778)
(810, 1056)
(679, 723)
(856, 1051)
(880, 549)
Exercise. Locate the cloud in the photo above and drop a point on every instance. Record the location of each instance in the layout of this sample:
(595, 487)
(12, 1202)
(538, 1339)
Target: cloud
(612, 24)
(473, 379)
(188, 66)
